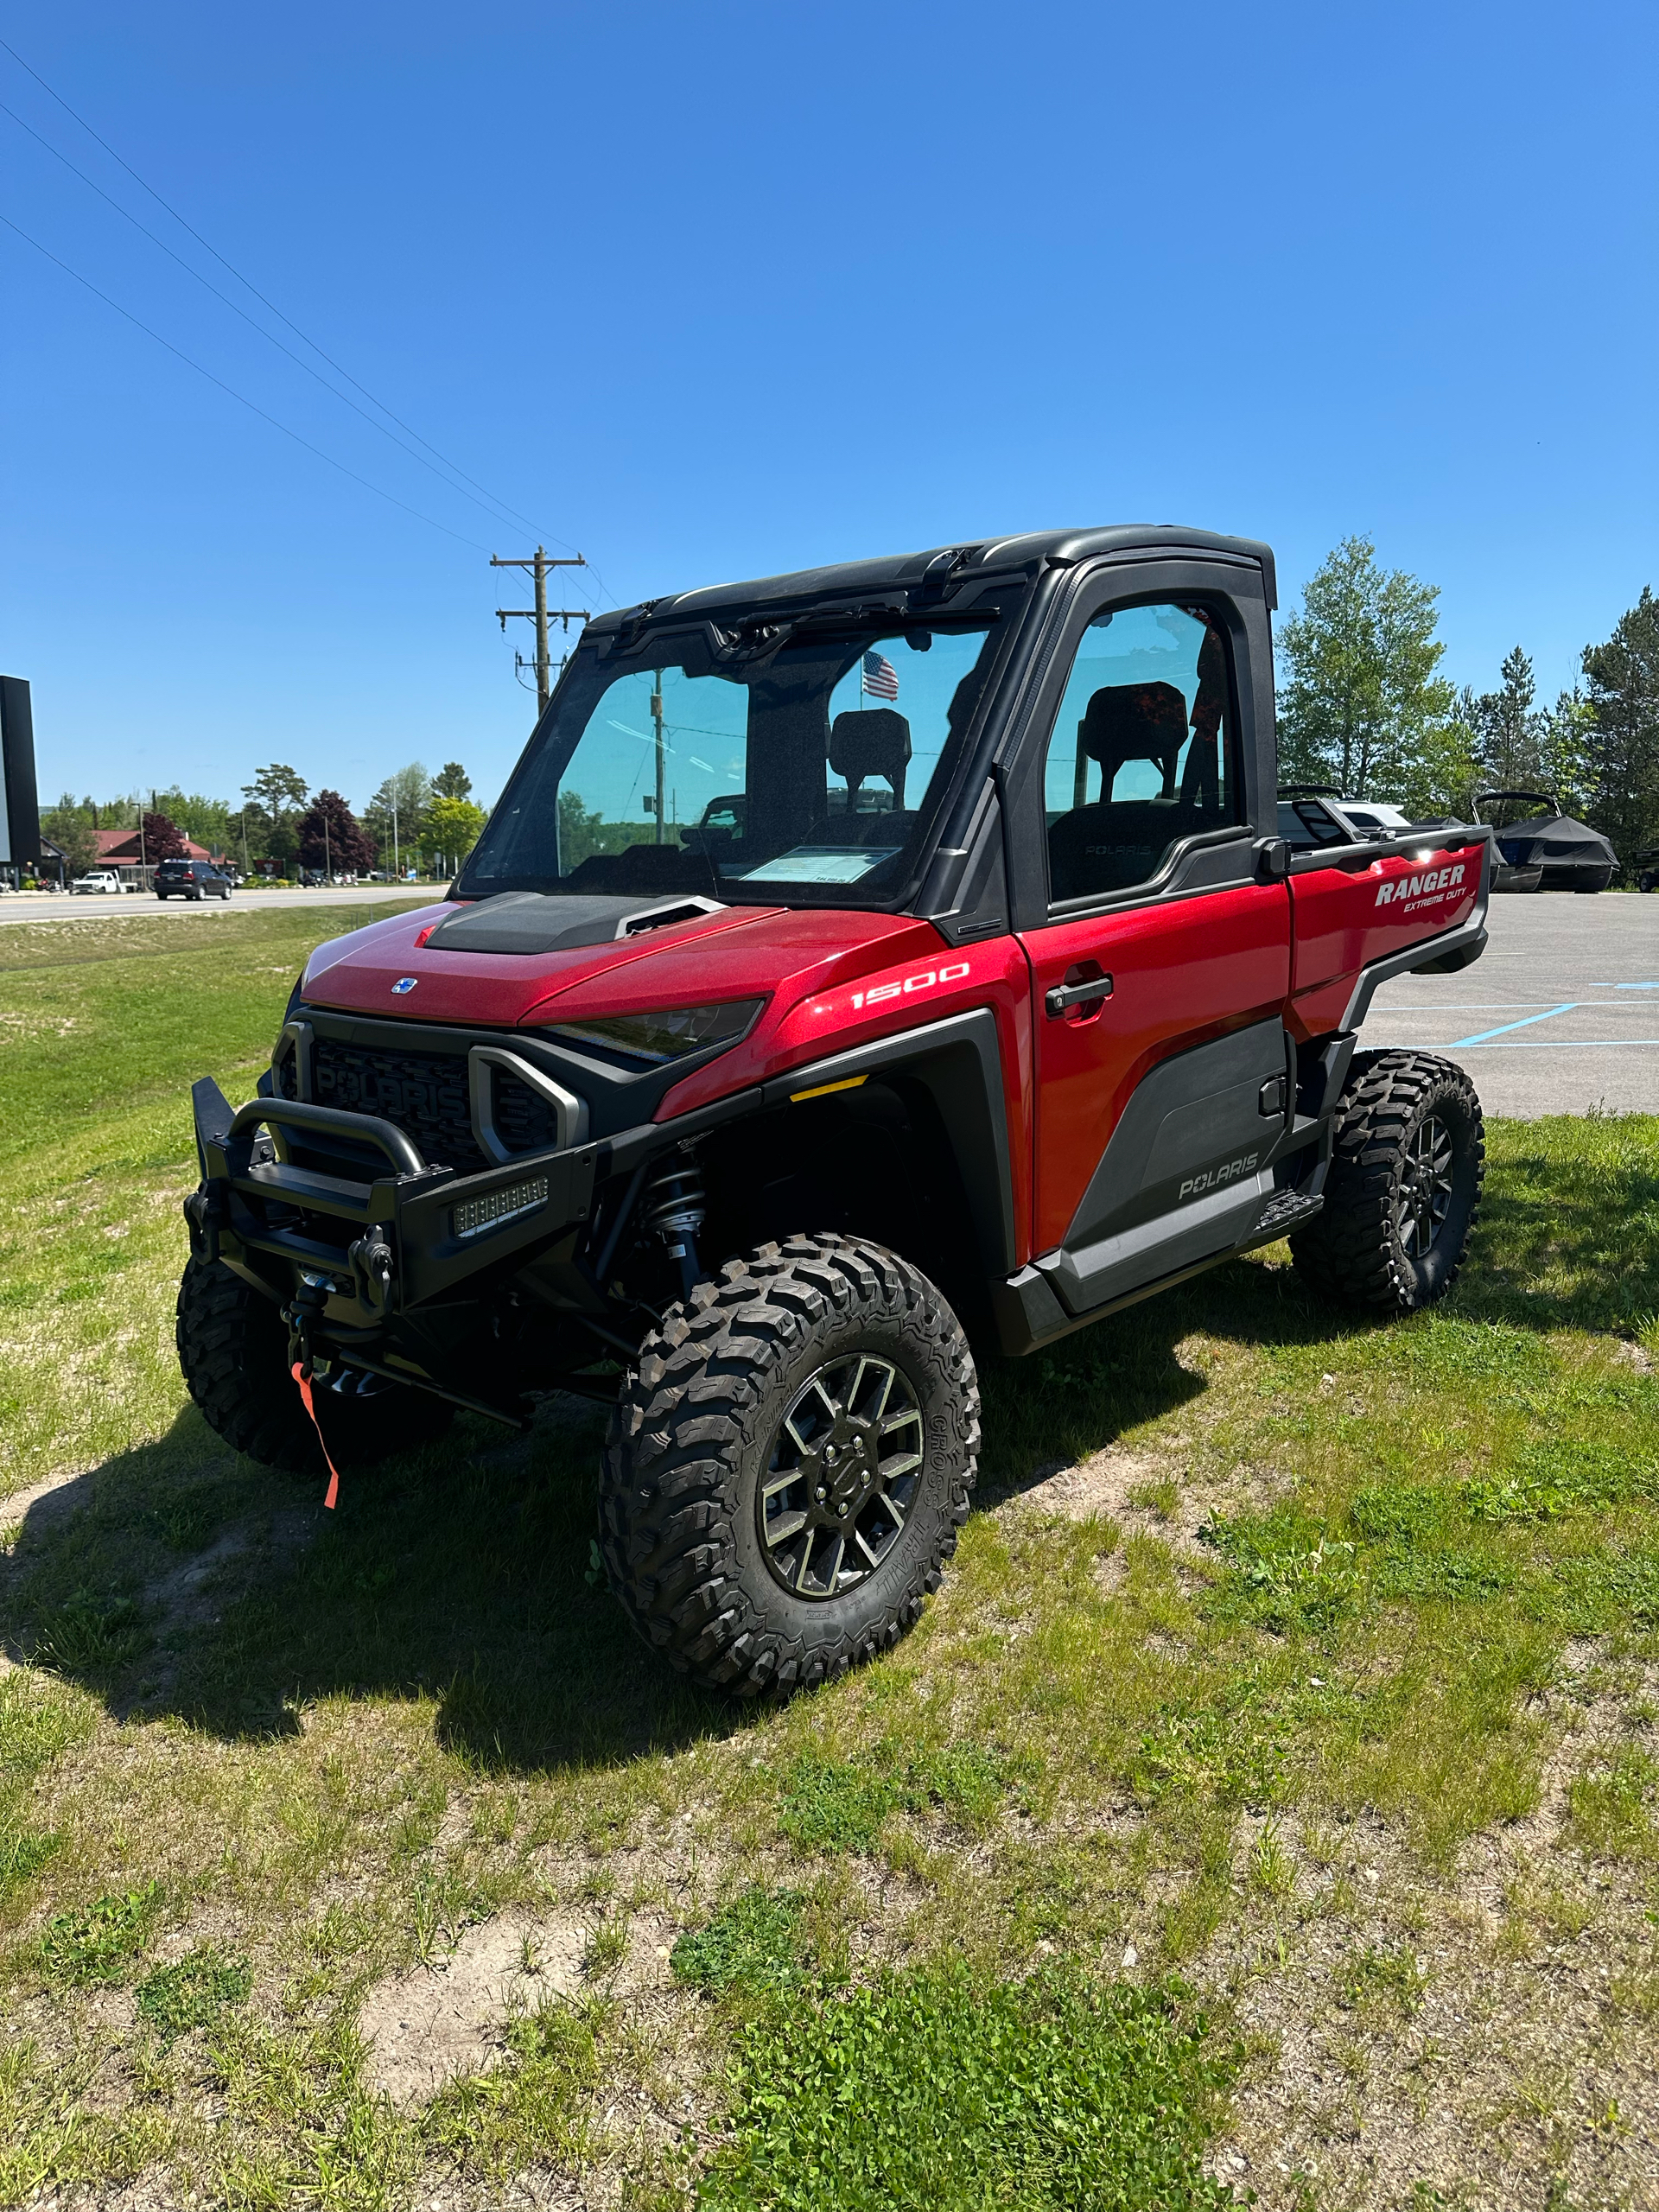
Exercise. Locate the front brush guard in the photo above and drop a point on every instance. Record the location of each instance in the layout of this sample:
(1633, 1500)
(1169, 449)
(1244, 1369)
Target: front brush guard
(423, 1229)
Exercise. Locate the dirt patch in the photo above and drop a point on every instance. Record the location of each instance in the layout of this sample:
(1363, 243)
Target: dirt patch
(55, 1499)
(1454, 2038)
(1097, 1487)
(427, 2025)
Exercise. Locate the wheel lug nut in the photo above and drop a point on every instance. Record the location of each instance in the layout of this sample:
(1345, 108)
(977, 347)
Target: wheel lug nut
(822, 1493)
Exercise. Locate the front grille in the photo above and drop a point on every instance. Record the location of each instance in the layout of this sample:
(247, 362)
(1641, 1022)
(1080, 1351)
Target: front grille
(425, 1094)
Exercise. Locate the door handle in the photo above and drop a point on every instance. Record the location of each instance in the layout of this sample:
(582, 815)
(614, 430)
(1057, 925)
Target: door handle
(1056, 1001)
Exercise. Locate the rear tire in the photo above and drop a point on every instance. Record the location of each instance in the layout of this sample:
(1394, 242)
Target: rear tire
(233, 1349)
(1407, 1159)
(760, 1515)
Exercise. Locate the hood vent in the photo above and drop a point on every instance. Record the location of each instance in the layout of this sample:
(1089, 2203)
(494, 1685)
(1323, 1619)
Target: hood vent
(531, 921)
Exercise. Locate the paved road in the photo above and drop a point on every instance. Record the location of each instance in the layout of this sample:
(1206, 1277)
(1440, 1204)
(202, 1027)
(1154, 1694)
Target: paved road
(54, 907)
(1559, 1014)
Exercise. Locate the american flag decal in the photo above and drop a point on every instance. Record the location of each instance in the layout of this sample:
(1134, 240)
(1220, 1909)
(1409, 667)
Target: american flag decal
(881, 678)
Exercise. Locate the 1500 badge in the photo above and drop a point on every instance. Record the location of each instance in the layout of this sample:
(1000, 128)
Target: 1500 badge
(929, 980)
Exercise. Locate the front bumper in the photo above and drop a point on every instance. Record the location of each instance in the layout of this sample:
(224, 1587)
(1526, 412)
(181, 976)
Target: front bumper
(404, 1236)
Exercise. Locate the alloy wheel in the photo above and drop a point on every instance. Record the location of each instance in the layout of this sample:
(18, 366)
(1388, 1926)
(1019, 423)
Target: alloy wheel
(1425, 1197)
(842, 1476)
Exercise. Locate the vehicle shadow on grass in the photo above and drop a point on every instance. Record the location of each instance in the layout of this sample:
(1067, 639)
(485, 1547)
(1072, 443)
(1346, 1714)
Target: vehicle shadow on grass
(179, 1580)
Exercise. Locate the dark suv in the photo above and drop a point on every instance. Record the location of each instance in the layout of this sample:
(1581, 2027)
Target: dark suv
(192, 880)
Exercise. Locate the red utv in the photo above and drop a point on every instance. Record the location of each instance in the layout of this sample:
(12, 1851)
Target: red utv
(978, 996)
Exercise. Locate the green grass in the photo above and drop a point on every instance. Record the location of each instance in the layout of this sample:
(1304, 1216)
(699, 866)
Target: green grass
(755, 1940)
(104, 1026)
(101, 1944)
(949, 2090)
(192, 1992)
(254, 1759)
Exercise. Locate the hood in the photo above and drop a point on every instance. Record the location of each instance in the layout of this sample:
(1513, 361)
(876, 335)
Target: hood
(523, 959)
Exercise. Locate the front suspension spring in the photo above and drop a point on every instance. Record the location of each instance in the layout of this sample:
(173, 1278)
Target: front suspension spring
(676, 1209)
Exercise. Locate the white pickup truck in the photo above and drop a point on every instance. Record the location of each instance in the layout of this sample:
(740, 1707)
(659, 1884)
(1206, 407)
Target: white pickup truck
(96, 879)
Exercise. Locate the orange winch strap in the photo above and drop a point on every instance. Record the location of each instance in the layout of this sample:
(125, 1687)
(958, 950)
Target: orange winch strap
(305, 1381)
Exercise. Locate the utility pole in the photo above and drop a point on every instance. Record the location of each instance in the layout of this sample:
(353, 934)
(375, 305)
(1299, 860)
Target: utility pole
(541, 615)
(657, 723)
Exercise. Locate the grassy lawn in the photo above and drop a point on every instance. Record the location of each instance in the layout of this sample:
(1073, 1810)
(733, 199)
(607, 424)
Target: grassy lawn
(1267, 1804)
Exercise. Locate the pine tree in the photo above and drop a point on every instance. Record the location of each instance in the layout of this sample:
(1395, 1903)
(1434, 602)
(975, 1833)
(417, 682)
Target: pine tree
(1510, 731)
(1621, 678)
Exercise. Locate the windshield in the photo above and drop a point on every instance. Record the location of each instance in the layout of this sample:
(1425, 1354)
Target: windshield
(802, 773)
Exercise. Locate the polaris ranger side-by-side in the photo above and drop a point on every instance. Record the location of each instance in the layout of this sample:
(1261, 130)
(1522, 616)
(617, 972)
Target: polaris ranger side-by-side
(859, 964)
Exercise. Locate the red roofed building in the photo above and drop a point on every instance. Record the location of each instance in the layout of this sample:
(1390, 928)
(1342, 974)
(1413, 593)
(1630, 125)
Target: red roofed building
(119, 849)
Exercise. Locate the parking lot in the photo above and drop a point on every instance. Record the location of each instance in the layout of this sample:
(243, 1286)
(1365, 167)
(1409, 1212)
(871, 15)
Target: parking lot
(1559, 1015)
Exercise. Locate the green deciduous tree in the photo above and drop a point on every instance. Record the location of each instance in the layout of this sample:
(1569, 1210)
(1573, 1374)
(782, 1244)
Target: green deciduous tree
(1566, 744)
(211, 822)
(1361, 704)
(393, 816)
(69, 825)
(451, 828)
(1622, 683)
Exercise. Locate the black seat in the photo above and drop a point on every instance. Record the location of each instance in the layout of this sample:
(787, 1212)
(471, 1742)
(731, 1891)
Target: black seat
(1131, 721)
(872, 742)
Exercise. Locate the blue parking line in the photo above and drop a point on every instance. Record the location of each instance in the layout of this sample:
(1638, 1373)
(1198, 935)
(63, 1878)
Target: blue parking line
(1563, 1044)
(1504, 1028)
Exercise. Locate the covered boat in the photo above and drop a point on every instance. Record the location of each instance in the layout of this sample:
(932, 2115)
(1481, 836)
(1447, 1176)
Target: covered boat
(1569, 855)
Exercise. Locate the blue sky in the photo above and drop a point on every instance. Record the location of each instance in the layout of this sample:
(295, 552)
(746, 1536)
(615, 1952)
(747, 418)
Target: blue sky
(711, 291)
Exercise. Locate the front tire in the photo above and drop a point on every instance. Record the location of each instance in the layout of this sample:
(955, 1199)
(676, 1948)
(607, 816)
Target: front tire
(788, 1465)
(233, 1350)
(1409, 1156)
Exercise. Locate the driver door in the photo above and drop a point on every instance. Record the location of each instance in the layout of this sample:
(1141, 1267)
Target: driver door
(1159, 960)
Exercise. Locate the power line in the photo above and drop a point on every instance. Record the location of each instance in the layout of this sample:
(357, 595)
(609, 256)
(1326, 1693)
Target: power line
(489, 505)
(242, 397)
(271, 304)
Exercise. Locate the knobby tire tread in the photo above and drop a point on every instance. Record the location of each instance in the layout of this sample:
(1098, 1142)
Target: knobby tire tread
(1350, 1253)
(672, 1485)
(234, 1351)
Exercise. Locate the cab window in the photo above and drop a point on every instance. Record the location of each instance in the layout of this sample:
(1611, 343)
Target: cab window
(1143, 751)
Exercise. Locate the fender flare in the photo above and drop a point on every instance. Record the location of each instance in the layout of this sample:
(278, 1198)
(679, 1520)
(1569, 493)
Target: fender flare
(958, 1062)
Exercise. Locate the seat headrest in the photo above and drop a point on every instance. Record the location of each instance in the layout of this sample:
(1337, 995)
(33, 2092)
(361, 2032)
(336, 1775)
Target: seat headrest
(872, 742)
(1134, 722)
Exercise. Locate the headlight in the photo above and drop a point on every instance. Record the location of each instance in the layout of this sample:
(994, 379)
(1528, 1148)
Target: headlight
(667, 1036)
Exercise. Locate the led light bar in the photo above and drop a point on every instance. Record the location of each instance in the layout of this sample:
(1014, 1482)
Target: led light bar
(490, 1212)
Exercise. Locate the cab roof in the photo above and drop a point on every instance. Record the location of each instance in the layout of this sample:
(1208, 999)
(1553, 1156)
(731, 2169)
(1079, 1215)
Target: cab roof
(1031, 551)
